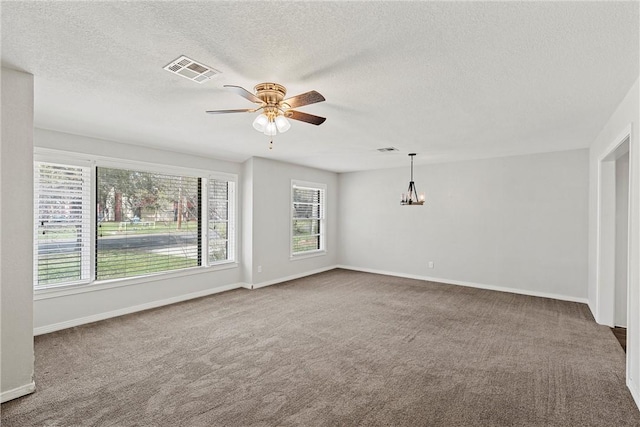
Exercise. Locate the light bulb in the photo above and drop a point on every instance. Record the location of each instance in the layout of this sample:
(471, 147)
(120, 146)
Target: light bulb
(270, 129)
(283, 124)
(260, 122)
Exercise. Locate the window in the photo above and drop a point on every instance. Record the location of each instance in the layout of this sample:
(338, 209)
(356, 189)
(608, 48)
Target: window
(307, 217)
(147, 223)
(103, 223)
(62, 240)
(221, 220)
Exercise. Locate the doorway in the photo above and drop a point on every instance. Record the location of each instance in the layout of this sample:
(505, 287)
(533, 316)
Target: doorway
(613, 235)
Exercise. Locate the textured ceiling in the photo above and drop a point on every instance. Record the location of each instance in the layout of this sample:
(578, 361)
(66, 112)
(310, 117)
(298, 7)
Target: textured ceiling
(448, 80)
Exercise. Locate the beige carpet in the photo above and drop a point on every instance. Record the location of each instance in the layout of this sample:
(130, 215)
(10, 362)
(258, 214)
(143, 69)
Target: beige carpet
(338, 348)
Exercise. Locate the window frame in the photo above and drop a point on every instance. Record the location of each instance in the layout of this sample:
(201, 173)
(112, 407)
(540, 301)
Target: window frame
(322, 224)
(47, 155)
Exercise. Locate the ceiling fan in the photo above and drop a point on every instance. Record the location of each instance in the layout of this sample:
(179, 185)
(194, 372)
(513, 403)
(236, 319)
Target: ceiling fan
(275, 108)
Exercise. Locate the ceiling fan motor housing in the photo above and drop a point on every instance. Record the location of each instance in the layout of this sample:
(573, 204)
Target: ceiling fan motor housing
(270, 93)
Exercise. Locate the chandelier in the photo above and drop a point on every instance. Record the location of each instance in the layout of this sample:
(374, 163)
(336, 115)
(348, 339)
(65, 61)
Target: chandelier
(411, 196)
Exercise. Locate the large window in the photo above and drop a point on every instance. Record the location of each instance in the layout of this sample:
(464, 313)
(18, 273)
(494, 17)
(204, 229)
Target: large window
(128, 223)
(147, 223)
(307, 217)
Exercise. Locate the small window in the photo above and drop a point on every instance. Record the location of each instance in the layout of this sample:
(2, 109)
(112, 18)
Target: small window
(62, 213)
(307, 217)
(222, 228)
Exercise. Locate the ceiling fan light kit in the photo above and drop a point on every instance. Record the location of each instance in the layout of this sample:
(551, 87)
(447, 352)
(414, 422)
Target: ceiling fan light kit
(270, 129)
(411, 198)
(282, 124)
(260, 122)
(268, 124)
(275, 108)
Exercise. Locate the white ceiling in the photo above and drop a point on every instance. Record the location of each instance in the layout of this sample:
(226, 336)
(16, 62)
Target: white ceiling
(448, 80)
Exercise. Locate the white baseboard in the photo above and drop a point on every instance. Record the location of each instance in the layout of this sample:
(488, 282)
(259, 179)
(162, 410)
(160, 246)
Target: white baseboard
(128, 310)
(635, 393)
(593, 310)
(292, 277)
(8, 395)
(469, 284)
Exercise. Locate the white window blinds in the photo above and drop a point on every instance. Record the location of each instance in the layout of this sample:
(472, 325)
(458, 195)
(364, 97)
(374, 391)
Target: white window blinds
(96, 224)
(307, 218)
(147, 223)
(222, 228)
(62, 241)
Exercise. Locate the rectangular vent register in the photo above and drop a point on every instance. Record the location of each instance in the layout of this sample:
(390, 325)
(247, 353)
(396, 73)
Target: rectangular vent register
(192, 70)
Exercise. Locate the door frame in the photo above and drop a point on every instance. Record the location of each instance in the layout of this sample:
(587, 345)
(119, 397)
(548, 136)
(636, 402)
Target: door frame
(605, 234)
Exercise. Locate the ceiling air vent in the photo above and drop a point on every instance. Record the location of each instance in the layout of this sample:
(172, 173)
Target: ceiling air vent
(192, 70)
(387, 149)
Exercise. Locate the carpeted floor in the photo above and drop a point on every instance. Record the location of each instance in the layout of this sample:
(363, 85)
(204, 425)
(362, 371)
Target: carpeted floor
(338, 348)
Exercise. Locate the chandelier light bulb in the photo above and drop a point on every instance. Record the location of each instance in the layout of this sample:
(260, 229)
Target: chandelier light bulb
(282, 124)
(260, 122)
(270, 129)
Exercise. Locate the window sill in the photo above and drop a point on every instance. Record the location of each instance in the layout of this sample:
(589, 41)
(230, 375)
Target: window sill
(306, 255)
(64, 290)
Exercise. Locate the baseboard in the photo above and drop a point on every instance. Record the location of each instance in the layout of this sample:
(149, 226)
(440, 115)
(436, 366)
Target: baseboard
(23, 390)
(592, 309)
(635, 393)
(128, 310)
(292, 277)
(469, 284)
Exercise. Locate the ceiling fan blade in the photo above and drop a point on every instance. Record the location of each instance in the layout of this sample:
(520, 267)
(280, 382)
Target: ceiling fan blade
(243, 110)
(244, 93)
(304, 117)
(306, 98)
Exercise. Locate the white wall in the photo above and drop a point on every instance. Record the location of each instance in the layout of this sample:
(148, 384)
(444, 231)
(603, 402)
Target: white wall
(16, 228)
(247, 222)
(515, 223)
(626, 116)
(58, 309)
(270, 211)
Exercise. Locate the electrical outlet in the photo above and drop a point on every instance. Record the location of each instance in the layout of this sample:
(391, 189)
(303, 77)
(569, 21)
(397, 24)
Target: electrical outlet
(430, 264)
(259, 269)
